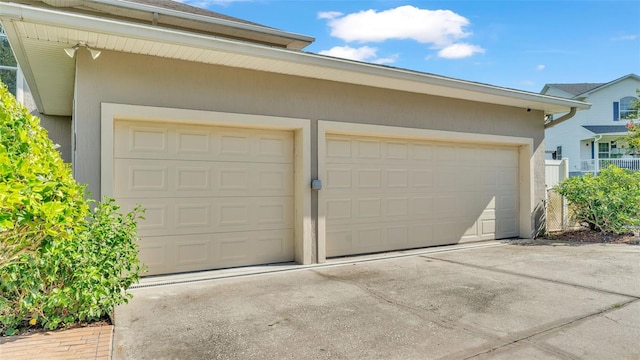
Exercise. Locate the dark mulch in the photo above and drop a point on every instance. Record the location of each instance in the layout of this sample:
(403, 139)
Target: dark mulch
(28, 329)
(588, 236)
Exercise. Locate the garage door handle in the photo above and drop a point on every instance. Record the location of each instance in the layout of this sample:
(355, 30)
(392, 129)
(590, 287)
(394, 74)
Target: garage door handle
(316, 184)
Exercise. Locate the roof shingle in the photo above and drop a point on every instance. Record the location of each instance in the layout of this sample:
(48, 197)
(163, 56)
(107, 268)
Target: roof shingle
(606, 129)
(177, 6)
(576, 89)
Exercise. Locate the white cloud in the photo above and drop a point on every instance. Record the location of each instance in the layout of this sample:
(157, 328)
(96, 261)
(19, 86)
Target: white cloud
(329, 14)
(625, 37)
(363, 53)
(439, 27)
(388, 60)
(540, 67)
(459, 51)
(443, 29)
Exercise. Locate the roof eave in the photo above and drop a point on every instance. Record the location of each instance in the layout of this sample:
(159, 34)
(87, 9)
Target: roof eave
(155, 13)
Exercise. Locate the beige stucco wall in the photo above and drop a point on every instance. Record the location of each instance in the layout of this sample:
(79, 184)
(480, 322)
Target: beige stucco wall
(58, 127)
(142, 80)
(59, 130)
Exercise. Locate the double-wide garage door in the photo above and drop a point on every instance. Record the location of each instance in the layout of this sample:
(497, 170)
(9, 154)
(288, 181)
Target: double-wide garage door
(388, 194)
(215, 197)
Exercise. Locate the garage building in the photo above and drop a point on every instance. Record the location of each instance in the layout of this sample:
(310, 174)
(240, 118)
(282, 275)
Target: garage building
(218, 127)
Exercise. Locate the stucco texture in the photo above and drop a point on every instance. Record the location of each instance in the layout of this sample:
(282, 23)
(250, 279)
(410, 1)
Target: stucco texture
(151, 81)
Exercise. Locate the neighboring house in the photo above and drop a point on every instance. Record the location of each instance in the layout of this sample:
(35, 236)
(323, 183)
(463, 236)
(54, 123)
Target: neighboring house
(218, 126)
(591, 139)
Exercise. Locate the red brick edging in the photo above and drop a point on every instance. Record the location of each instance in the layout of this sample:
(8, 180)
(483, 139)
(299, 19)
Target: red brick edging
(92, 342)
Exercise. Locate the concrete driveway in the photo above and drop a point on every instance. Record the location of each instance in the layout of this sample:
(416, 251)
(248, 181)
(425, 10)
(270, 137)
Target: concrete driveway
(490, 300)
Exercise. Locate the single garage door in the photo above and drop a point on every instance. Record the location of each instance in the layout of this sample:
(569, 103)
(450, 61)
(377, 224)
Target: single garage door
(386, 194)
(215, 197)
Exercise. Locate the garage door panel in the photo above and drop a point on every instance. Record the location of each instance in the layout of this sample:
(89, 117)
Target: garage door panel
(153, 255)
(385, 181)
(487, 227)
(377, 237)
(397, 151)
(445, 153)
(420, 235)
(175, 216)
(156, 214)
(249, 248)
(422, 178)
(194, 142)
(338, 178)
(507, 226)
(397, 207)
(345, 150)
(368, 178)
(506, 202)
(162, 254)
(367, 209)
(157, 178)
(388, 194)
(397, 178)
(450, 231)
(180, 253)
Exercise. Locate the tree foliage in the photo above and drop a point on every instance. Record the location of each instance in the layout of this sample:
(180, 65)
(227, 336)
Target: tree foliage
(60, 262)
(607, 202)
(633, 138)
(9, 77)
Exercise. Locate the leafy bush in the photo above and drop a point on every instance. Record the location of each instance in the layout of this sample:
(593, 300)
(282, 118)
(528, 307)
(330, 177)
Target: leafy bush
(79, 279)
(39, 199)
(607, 202)
(60, 262)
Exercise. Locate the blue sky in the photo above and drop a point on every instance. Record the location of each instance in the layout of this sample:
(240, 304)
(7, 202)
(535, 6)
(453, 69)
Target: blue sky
(515, 44)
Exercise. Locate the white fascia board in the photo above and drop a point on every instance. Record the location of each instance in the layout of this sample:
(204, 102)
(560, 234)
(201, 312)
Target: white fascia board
(376, 75)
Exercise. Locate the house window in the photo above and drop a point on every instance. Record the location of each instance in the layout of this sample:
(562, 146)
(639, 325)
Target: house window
(559, 152)
(628, 109)
(603, 150)
(8, 64)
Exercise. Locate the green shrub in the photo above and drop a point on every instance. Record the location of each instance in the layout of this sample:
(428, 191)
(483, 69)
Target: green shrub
(607, 202)
(73, 280)
(60, 262)
(39, 199)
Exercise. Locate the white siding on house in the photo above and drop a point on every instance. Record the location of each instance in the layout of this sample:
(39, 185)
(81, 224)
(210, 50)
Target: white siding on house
(570, 133)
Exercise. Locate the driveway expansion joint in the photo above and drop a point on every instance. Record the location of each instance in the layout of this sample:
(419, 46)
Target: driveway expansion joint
(421, 313)
(575, 321)
(507, 272)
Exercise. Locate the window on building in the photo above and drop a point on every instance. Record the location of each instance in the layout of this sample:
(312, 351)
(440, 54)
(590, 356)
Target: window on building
(559, 152)
(627, 108)
(8, 64)
(603, 150)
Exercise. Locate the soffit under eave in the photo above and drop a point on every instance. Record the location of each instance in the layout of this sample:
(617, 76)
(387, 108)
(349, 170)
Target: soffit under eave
(53, 71)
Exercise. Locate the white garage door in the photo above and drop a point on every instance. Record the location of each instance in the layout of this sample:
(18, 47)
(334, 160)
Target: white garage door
(215, 197)
(388, 194)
